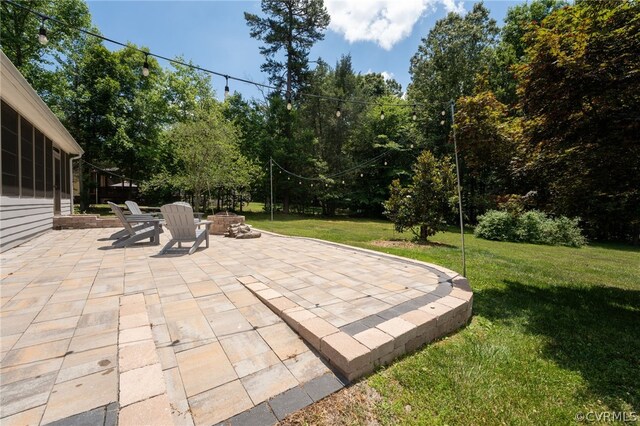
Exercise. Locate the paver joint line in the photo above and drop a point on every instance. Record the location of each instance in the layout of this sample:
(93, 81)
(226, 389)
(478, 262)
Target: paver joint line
(70, 306)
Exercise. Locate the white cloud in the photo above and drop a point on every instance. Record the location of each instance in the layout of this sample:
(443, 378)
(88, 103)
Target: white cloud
(384, 22)
(385, 74)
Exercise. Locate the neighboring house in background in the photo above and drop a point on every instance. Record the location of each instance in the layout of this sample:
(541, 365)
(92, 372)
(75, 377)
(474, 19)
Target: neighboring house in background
(36, 161)
(109, 186)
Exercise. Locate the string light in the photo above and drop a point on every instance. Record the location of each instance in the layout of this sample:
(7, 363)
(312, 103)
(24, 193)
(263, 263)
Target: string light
(381, 114)
(226, 86)
(42, 37)
(385, 162)
(361, 175)
(42, 34)
(415, 116)
(145, 66)
(338, 112)
(289, 106)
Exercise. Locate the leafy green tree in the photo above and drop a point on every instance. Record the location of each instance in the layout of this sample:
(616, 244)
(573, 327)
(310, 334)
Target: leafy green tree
(488, 140)
(520, 20)
(207, 156)
(19, 36)
(290, 28)
(186, 91)
(446, 66)
(523, 18)
(424, 205)
(580, 94)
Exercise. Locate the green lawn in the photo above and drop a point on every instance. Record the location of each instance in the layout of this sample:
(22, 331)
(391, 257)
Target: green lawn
(555, 331)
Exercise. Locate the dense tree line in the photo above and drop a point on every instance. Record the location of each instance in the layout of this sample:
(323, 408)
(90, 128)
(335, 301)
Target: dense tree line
(546, 112)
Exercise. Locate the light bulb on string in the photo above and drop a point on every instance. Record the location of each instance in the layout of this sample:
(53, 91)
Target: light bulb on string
(338, 112)
(442, 122)
(343, 182)
(289, 105)
(288, 177)
(381, 114)
(42, 34)
(300, 182)
(411, 146)
(443, 113)
(361, 175)
(312, 185)
(226, 86)
(415, 116)
(145, 66)
(385, 163)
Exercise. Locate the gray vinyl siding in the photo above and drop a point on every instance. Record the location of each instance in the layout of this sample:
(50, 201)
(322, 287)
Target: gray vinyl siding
(24, 218)
(26, 206)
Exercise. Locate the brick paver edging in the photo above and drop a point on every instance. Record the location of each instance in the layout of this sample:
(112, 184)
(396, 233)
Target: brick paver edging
(357, 349)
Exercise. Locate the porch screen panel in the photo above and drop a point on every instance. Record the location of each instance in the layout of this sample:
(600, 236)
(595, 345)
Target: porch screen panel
(67, 173)
(10, 159)
(39, 162)
(26, 153)
(63, 173)
(48, 168)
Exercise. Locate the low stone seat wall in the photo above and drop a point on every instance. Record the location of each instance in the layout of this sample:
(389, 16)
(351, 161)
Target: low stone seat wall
(84, 221)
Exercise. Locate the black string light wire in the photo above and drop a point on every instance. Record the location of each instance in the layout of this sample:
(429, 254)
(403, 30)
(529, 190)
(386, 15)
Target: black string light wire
(43, 40)
(333, 175)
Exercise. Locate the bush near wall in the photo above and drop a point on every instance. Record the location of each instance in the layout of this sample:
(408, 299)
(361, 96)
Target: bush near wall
(529, 227)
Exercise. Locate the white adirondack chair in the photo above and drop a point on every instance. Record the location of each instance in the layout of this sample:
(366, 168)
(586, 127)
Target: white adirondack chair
(179, 221)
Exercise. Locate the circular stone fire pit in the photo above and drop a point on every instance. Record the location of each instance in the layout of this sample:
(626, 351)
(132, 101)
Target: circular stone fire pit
(222, 221)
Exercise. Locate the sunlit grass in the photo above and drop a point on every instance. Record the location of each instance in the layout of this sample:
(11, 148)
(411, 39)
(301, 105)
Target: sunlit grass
(555, 331)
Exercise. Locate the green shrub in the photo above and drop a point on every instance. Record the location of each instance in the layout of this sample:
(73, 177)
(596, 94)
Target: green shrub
(496, 225)
(564, 231)
(531, 227)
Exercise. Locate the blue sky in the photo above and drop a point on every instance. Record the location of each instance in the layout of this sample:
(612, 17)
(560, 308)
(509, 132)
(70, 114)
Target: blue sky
(381, 36)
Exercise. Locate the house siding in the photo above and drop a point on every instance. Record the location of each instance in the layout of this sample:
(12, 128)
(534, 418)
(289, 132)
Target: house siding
(23, 218)
(32, 139)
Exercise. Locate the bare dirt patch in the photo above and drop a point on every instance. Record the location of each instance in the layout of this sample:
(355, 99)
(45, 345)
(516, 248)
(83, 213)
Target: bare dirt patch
(407, 244)
(354, 405)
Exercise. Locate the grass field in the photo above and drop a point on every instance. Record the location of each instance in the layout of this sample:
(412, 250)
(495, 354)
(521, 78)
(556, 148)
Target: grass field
(555, 332)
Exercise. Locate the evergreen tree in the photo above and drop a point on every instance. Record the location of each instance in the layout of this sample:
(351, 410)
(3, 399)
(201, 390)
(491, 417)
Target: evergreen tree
(289, 28)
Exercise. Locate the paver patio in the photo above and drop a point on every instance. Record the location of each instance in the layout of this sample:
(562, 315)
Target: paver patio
(91, 332)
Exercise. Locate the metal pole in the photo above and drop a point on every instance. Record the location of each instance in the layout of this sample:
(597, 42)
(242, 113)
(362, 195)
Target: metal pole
(455, 148)
(271, 181)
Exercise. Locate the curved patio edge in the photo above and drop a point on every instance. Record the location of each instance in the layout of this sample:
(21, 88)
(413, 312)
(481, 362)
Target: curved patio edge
(358, 348)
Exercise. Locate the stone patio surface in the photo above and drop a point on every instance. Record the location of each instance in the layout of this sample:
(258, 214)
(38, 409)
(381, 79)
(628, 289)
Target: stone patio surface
(95, 335)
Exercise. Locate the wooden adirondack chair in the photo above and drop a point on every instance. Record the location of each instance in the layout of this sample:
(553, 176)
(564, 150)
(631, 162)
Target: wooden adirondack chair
(196, 215)
(149, 228)
(124, 232)
(179, 221)
(133, 207)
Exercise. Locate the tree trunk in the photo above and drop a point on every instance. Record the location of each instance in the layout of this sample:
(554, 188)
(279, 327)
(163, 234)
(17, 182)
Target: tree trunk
(285, 202)
(424, 233)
